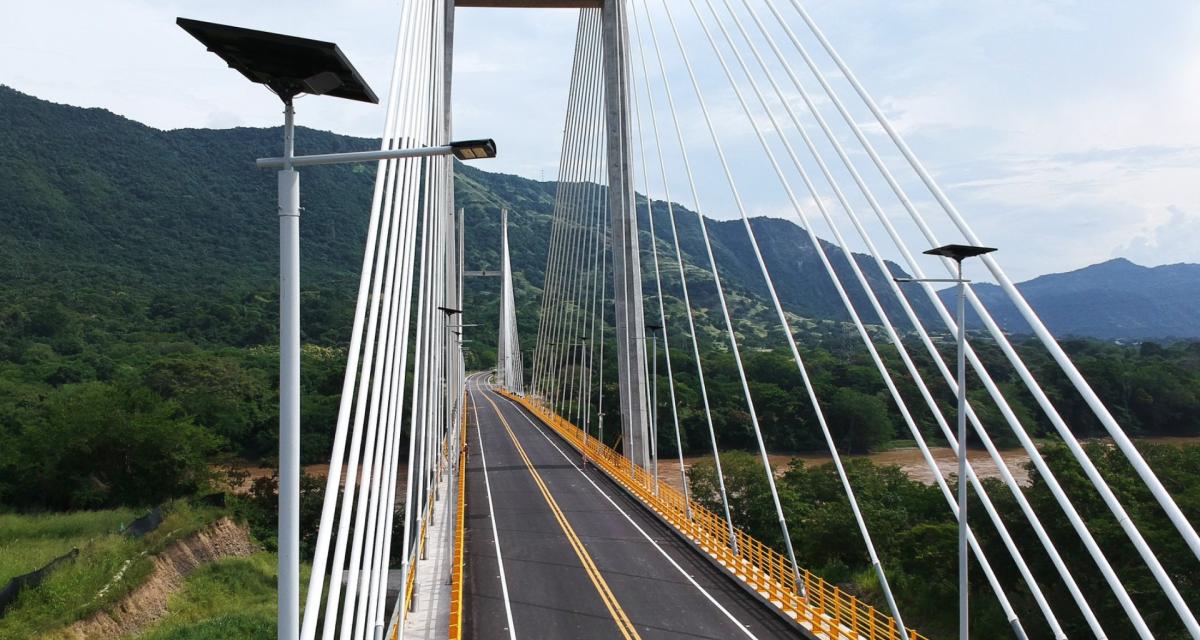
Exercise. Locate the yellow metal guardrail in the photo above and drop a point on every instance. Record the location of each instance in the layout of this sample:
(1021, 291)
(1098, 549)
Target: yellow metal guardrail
(455, 630)
(456, 574)
(412, 569)
(819, 606)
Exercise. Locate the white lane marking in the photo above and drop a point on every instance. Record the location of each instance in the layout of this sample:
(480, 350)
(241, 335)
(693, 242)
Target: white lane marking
(512, 630)
(645, 535)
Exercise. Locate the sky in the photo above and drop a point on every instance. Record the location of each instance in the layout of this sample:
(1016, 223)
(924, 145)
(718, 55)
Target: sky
(1066, 132)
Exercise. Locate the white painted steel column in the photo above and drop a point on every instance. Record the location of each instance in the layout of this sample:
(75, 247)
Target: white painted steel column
(289, 389)
(963, 560)
(654, 404)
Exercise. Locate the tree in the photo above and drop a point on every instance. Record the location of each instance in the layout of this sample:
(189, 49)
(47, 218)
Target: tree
(749, 494)
(859, 421)
(99, 445)
(260, 508)
(220, 394)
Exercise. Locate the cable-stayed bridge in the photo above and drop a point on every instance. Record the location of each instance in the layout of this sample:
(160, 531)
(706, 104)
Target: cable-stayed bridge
(497, 499)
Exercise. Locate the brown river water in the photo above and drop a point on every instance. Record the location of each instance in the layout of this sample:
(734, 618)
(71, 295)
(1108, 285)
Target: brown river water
(909, 460)
(318, 470)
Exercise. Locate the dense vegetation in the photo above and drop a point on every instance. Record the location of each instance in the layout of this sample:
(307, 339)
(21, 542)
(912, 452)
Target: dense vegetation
(1152, 389)
(138, 315)
(916, 538)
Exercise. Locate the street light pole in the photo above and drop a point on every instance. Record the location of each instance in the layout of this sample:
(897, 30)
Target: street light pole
(958, 253)
(653, 328)
(291, 66)
(963, 560)
(289, 386)
(585, 397)
(654, 408)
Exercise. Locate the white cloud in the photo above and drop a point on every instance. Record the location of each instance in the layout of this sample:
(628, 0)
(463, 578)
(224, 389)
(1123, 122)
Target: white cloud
(1166, 241)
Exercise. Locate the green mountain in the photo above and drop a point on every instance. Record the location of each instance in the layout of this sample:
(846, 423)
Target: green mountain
(140, 287)
(106, 211)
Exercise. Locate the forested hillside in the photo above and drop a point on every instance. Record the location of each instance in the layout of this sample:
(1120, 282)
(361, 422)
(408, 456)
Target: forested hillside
(185, 213)
(138, 310)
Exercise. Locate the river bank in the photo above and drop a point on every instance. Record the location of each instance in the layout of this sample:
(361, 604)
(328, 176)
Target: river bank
(910, 460)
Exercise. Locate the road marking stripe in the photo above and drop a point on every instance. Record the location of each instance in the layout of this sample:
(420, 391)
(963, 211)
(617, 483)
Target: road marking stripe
(512, 630)
(645, 535)
(626, 627)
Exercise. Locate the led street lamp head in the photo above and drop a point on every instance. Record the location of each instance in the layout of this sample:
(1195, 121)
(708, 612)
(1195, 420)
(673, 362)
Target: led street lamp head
(473, 149)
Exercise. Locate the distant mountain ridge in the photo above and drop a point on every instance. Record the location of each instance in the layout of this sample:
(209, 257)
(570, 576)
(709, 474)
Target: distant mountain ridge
(1113, 300)
(147, 215)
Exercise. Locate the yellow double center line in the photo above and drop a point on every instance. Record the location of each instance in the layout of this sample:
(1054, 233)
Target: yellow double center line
(606, 594)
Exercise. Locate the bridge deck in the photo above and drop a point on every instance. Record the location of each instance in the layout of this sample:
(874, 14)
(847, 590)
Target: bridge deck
(579, 557)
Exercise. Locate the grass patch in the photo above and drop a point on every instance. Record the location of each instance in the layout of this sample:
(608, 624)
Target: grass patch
(245, 626)
(28, 542)
(230, 598)
(74, 591)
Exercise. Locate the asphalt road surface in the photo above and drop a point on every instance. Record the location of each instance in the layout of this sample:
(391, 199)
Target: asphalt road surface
(558, 551)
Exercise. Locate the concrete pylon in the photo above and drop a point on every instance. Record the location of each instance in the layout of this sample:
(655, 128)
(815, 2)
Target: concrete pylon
(627, 272)
(508, 352)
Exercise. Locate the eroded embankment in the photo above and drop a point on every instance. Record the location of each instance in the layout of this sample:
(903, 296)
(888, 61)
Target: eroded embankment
(148, 603)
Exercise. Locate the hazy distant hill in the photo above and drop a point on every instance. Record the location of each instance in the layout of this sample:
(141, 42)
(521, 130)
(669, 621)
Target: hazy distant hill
(1116, 299)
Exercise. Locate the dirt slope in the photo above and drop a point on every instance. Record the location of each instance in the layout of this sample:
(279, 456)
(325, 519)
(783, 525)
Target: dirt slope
(148, 603)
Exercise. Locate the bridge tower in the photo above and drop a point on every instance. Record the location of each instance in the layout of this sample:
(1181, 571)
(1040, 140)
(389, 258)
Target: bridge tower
(509, 368)
(627, 273)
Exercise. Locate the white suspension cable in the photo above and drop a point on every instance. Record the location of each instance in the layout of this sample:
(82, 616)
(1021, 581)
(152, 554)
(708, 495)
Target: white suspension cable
(679, 254)
(603, 297)
(379, 552)
(359, 594)
(329, 504)
(589, 302)
(572, 209)
(1093, 474)
(574, 214)
(595, 204)
(405, 314)
(1185, 528)
(733, 345)
(565, 164)
(662, 314)
(1022, 566)
(589, 211)
(415, 512)
(1093, 549)
(877, 565)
